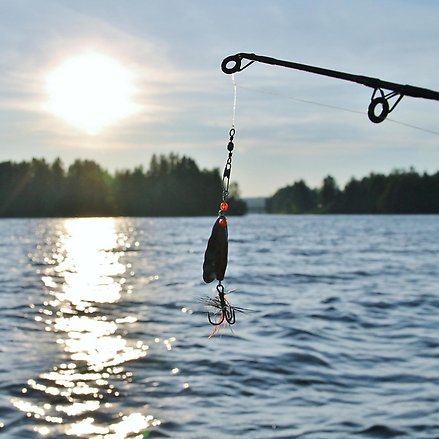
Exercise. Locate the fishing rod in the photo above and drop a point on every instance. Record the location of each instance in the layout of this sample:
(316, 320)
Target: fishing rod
(380, 98)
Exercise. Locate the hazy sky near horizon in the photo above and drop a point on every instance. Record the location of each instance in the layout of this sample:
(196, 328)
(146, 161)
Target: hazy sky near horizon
(173, 51)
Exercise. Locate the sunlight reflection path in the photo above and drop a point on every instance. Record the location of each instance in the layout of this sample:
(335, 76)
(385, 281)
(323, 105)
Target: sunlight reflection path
(85, 278)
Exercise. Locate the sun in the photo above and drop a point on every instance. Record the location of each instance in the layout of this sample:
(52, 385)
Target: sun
(91, 91)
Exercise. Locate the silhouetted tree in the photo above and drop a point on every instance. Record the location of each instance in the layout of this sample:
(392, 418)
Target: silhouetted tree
(329, 194)
(130, 190)
(14, 180)
(298, 198)
(88, 190)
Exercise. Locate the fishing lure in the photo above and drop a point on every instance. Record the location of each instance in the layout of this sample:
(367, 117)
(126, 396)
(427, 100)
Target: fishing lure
(215, 256)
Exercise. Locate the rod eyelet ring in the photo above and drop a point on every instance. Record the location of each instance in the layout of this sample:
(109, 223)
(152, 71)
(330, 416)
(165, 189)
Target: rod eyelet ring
(378, 118)
(236, 66)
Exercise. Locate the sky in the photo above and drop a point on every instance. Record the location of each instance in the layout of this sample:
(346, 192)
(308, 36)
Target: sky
(290, 125)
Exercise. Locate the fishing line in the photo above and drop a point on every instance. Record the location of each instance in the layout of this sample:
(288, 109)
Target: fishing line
(234, 99)
(334, 107)
(216, 254)
(405, 124)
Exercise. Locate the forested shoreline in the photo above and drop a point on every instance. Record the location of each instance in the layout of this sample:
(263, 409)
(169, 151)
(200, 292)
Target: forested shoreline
(400, 192)
(172, 186)
(176, 186)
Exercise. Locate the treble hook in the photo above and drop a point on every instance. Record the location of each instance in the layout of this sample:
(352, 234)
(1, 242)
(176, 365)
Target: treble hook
(227, 310)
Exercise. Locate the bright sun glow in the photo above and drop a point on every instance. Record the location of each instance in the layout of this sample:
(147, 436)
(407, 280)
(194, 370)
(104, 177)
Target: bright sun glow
(91, 91)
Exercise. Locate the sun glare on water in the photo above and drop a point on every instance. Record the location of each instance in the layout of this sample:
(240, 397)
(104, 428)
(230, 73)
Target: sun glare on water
(91, 91)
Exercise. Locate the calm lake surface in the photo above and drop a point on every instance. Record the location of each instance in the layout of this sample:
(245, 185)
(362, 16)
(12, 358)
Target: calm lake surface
(103, 334)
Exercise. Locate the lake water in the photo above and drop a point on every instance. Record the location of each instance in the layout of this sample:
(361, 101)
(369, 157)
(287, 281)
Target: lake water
(103, 334)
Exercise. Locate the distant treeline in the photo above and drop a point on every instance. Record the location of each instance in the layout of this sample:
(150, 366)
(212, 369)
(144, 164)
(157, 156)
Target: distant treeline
(172, 186)
(398, 192)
